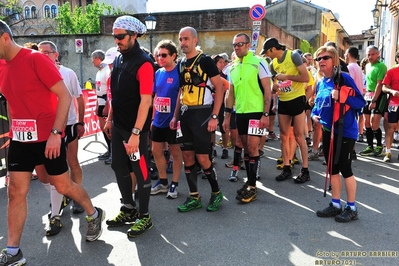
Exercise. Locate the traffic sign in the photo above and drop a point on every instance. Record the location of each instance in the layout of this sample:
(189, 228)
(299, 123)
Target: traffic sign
(257, 12)
(79, 46)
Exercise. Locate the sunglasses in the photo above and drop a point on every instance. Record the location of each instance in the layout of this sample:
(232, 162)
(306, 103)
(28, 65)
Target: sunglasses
(239, 44)
(326, 57)
(162, 55)
(120, 36)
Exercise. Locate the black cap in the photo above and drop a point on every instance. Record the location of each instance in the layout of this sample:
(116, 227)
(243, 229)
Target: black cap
(269, 43)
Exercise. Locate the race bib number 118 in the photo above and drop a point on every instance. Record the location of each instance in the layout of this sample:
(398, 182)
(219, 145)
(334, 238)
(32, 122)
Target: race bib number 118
(24, 130)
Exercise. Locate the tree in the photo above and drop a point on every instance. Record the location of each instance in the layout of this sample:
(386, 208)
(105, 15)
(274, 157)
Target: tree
(83, 20)
(11, 11)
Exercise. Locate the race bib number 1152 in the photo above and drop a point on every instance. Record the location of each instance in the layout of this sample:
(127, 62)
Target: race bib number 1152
(254, 128)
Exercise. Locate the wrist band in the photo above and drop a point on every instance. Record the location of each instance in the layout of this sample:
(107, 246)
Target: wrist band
(228, 110)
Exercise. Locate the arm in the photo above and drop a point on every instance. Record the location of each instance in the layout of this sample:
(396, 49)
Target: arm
(218, 85)
(302, 77)
(64, 100)
(81, 114)
(172, 123)
(267, 94)
(229, 103)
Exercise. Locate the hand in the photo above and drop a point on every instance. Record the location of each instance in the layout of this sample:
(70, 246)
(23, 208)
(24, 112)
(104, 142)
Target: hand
(108, 129)
(81, 130)
(372, 105)
(335, 94)
(53, 145)
(275, 88)
(281, 77)
(264, 122)
(133, 144)
(316, 118)
(172, 123)
(212, 124)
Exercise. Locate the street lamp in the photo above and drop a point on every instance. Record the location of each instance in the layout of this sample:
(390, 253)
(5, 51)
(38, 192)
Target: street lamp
(150, 23)
(377, 23)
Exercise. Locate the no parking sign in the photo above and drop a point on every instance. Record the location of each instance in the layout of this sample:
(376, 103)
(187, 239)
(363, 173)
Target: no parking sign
(79, 46)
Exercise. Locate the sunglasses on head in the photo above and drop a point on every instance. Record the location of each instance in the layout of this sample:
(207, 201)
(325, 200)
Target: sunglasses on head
(162, 55)
(326, 57)
(120, 36)
(239, 44)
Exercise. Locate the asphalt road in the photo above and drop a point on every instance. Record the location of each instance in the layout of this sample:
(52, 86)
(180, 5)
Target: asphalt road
(279, 228)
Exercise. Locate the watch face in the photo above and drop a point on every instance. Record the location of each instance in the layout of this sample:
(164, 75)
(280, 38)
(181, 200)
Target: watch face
(214, 116)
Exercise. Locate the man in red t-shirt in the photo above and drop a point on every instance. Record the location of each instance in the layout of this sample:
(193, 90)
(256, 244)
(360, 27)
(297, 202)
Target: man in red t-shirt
(38, 107)
(391, 86)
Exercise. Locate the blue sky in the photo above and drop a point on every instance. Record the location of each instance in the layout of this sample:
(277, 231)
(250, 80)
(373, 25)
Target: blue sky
(354, 15)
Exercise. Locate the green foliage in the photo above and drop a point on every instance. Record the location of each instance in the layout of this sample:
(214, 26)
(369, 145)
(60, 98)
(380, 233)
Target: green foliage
(305, 47)
(14, 6)
(82, 20)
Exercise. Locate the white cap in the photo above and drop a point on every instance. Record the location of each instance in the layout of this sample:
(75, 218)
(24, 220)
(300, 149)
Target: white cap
(110, 55)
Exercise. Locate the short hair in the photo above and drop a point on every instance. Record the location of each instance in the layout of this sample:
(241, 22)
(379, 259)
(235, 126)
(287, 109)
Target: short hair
(307, 54)
(332, 51)
(100, 54)
(354, 52)
(168, 45)
(247, 38)
(31, 45)
(370, 47)
(52, 45)
(4, 28)
(330, 43)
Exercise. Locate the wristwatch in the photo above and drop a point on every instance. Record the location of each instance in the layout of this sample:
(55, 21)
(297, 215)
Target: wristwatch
(214, 116)
(266, 114)
(136, 131)
(56, 131)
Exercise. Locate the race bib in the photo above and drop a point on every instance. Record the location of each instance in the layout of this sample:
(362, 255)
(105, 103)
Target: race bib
(285, 86)
(134, 156)
(254, 129)
(162, 104)
(369, 96)
(24, 130)
(179, 134)
(393, 107)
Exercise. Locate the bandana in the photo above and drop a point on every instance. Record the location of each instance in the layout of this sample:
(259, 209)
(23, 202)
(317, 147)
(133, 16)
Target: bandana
(129, 23)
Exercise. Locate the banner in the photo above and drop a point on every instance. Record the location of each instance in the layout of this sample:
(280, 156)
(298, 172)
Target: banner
(92, 125)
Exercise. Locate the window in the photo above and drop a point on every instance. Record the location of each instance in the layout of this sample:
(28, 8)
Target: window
(54, 11)
(370, 43)
(27, 12)
(33, 12)
(46, 11)
(360, 47)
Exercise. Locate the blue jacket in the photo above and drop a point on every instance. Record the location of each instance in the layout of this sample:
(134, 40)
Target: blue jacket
(324, 106)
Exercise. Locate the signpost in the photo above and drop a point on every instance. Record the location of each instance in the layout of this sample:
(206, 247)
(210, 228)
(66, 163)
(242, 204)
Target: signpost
(256, 13)
(79, 50)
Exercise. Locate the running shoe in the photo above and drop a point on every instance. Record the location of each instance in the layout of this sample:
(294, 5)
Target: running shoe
(241, 190)
(302, 178)
(7, 259)
(284, 175)
(172, 193)
(55, 226)
(140, 226)
(169, 169)
(308, 142)
(104, 156)
(233, 176)
(215, 201)
(378, 151)
(225, 154)
(387, 158)
(280, 160)
(313, 156)
(272, 136)
(367, 152)
(360, 138)
(248, 195)
(347, 215)
(159, 188)
(320, 151)
(261, 153)
(77, 208)
(190, 204)
(95, 229)
(295, 160)
(125, 216)
(330, 211)
(229, 164)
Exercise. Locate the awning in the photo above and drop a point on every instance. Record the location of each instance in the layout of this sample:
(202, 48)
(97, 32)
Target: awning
(394, 7)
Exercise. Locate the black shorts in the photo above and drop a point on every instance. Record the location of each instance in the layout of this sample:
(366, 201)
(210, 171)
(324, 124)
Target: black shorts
(243, 121)
(100, 111)
(23, 157)
(233, 124)
(163, 135)
(71, 133)
(293, 107)
(393, 117)
(381, 106)
(194, 128)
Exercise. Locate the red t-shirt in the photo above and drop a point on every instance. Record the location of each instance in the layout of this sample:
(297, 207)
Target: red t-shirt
(26, 87)
(392, 79)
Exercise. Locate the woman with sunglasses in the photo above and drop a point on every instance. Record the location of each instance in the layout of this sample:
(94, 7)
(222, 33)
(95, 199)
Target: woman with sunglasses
(326, 94)
(166, 89)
